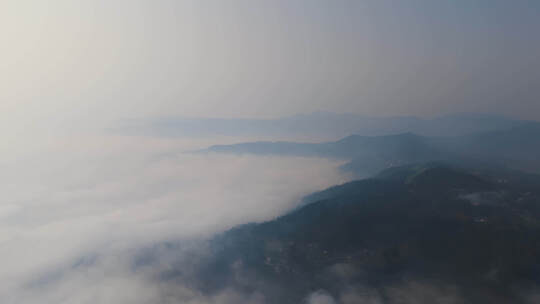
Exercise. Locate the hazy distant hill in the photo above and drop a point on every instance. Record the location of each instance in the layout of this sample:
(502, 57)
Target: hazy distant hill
(408, 144)
(320, 125)
(465, 235)
(516, 147)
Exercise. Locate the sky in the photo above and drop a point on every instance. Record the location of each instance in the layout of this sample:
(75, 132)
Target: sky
(65, 63)
(69, 69)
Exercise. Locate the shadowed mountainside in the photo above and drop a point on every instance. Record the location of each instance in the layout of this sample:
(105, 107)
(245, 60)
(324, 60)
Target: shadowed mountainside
(472, 231)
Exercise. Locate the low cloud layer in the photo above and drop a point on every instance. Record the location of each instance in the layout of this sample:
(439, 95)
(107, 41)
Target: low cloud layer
(77, 211)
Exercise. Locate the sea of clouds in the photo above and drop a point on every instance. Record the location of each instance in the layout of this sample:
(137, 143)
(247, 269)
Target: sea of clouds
(77, 210)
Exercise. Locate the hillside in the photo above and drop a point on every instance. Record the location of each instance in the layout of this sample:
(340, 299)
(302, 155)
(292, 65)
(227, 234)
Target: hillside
(432, 224)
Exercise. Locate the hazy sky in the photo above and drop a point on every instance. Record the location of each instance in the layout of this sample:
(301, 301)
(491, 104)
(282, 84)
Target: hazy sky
(65, 61)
